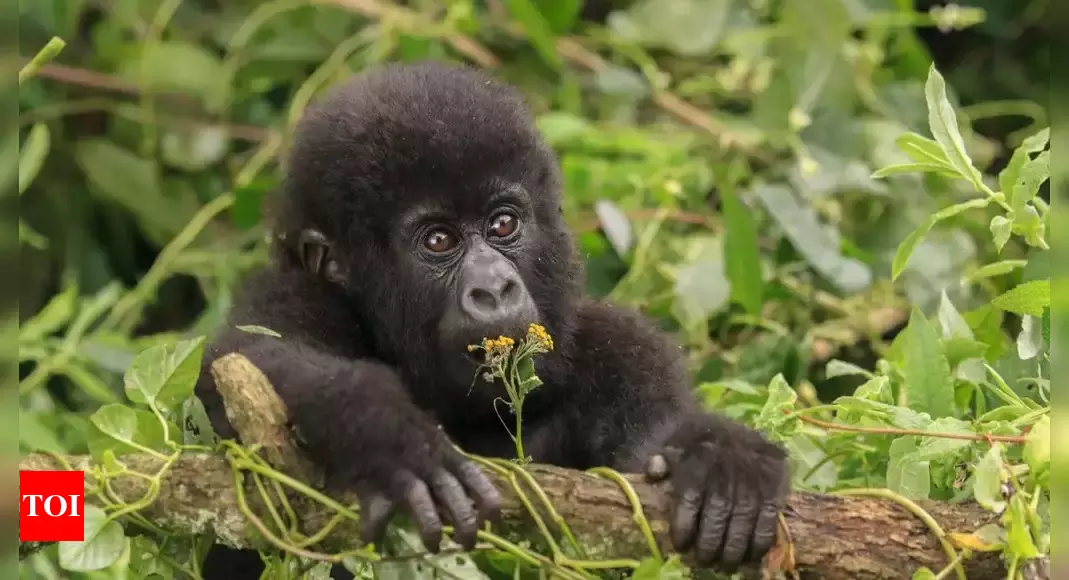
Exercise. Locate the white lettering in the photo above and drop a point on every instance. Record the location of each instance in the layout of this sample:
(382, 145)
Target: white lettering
(33, 503)
(74, 506)
(62, 503)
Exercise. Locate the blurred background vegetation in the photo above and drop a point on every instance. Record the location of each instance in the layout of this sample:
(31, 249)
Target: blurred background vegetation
(717, 156)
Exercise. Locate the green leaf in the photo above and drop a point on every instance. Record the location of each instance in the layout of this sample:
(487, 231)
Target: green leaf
(1029, 298)
(943, 448)
(741, 257)
(688, 27)
(943, 123)
(52, 317)
(987, 486)
(164, 375)
(560, 14)
(929, 386)
(256, 329)
(1033, 174)
(951, 321)
(923, 573)
(616, 226)
(910, 478)
(999, 268)
(1037, 449)
(133, 183)
(672, 568)
(908, 245)
(123, 430)
(1019, 535)
(925, 151)
(1007, 178)
(838, 368)
(773, 418)
(179, 66)
(1030, 340)
(701, 287)
(196, 426)
(1001, 227)
(936, 168)
(537, 29)
(32, 155)
(818, 245)
(103, 543)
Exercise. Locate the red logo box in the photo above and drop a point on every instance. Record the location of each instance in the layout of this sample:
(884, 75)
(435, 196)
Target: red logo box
(51, 506)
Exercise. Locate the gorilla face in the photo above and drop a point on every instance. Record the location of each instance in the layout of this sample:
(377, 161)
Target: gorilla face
(428, 195)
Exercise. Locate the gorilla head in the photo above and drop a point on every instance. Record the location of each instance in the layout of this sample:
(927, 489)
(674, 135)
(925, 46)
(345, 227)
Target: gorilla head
(427, 195)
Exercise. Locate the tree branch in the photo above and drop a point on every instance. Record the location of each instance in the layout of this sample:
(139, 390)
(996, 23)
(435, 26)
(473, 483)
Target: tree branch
(833, 537)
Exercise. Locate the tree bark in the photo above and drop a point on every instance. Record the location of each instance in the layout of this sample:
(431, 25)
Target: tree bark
(830, 537)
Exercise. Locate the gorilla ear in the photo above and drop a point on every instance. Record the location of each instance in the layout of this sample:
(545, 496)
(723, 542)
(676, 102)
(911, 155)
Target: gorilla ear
(315, 251)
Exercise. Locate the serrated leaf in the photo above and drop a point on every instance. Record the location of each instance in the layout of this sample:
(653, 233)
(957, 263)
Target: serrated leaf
(1033, 173)
(615, 225)
(1028, 298)
(943, 122)
(941, 448)
(164, 375)
(987, 484)
(929, 385)
(908, 245)
(102, 543)
(773, 418)
(1007, 178)
(906, 168)
(875, 389)
(32, 154)
(742, 260)
(999, 268)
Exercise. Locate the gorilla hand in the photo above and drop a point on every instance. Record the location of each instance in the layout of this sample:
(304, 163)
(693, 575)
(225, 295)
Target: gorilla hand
(428, 477)
(729, 484)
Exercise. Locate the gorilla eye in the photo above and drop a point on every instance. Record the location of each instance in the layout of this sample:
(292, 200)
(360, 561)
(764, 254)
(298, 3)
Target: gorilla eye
(440, 241)
(503, 225)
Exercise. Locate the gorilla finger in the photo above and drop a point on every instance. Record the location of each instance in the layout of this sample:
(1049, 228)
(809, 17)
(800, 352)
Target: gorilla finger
(375, 512)
(418, 497)
(657, 468)
(487, 497)
(765, 531)
(740, 530)
(716, 514)
(685, 519)
(458, 507)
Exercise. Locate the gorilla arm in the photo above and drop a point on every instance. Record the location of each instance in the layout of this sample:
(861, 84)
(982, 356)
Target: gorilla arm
(354, 413)
(633, 409)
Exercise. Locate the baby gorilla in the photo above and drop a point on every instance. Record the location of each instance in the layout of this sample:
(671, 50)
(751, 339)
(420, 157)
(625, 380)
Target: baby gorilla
(420, 212)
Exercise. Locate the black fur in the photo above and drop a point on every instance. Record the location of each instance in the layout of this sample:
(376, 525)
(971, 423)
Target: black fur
(369, 370)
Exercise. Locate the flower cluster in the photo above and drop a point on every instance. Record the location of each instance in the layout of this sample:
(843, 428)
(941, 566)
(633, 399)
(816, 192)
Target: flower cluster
(537, 333)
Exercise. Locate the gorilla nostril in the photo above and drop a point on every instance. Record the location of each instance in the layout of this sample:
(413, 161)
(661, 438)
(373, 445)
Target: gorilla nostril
(508, 292)
(482, 299)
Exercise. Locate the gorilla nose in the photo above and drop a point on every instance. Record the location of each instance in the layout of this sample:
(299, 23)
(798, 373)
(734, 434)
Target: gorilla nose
(495, 300)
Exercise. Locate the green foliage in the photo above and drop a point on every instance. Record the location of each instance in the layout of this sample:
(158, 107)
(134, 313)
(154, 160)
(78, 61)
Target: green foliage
(855, 196)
